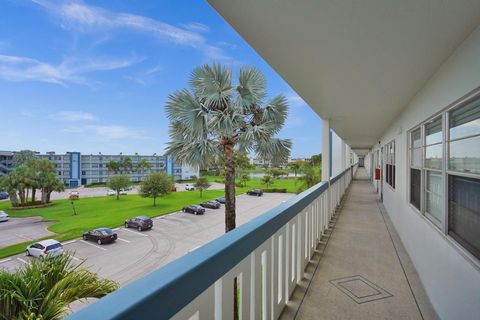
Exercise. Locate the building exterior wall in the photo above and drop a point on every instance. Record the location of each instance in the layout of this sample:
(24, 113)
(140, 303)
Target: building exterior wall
(6, 164)
(76, 169)
(450, 275)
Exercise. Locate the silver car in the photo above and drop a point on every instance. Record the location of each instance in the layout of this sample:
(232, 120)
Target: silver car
(3, 216)
(45, 248)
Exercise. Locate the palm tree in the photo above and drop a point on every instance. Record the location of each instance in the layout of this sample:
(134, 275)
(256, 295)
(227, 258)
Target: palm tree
(311, 175)
(43, 289)
(143, 165)
(216, 117)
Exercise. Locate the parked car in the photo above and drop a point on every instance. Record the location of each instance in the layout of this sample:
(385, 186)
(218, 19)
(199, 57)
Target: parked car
(3, 216)
(111, 192)
(190, 187)
(194, 209)
(100, 235)
(4, 195)
(140, 222)
(255, 192)
(212, 204)
(74, 195)
(45, 248)
(220, 200)
(124, 191)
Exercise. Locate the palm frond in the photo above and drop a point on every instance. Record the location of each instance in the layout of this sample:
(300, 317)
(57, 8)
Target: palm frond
(274, 148)
(183, 107)
(276, 111)
(212, 85)
(45, 288)
(251, 88)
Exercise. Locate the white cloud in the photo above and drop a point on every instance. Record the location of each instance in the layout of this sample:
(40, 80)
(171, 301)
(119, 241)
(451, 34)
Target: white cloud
(196, 26)
(295, 100)
(107, 132)
(146, 76)
(73, 116)
(71, 70)
(86, 18)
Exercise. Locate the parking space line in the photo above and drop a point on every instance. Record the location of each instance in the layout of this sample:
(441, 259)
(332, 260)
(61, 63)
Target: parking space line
(75, 258)
(115, 229)
(123, 240)
(5, 260)
(93, 245)
(139, 233)
(20, 259)
(69, 242)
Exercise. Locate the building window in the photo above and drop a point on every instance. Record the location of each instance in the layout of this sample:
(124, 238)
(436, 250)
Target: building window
(445, 172)
(433, 170)
(389, 157)
(415, 167)
(463, 147)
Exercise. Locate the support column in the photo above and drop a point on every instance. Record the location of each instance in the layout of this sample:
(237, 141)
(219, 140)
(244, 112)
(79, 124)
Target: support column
(326, 150)
(344, 156)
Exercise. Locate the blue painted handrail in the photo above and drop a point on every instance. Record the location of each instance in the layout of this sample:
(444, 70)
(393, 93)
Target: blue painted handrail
(164, 292)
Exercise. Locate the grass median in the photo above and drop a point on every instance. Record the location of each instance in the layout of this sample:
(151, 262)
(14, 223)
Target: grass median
(109, 212)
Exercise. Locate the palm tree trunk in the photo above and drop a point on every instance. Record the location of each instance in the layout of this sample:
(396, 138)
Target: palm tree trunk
(230, 208)
(34, 190)
(229, 188)
(13, 198)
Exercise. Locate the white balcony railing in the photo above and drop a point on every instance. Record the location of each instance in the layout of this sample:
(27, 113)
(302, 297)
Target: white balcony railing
(267, 256)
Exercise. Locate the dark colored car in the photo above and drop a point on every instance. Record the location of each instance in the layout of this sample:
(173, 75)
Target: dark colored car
(221, 200)
(3, 195)
(140, 223)
(255, 192)
(100, 235)
(212, 204)
(194, 209)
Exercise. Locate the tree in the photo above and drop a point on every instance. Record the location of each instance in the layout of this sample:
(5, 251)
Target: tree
(112, 166)
(295, 166)
(43, 289)
(9, 184)
(242, 162)
(126, 165)
(22, 157)
(143, 165)
(156, 185)
(217, 117)
(244, 178)
(267, 180)
(202, 184)
(118, 183)
(311, 175)
(316, 159)
(276, 173)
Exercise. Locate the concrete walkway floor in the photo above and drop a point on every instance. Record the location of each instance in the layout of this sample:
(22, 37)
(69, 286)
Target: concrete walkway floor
(361, 270)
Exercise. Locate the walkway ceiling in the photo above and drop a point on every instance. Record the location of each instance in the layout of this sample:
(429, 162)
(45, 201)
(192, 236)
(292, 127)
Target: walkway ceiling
(357, 63)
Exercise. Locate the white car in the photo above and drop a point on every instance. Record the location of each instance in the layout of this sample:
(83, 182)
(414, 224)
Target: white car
(3, 216)
(190, 187)
(45, 248)
(114, 193)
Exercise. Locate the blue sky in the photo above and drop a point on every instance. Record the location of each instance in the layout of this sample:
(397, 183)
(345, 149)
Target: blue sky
(94, 76)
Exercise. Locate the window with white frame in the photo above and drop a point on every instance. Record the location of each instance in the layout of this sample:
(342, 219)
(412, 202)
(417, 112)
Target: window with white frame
(389, 158)
(444, 172)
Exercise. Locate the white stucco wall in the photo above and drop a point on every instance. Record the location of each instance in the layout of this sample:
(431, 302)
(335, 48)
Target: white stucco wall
(451, 277)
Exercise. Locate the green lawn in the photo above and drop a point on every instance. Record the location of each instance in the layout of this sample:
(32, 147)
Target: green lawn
(109, 212)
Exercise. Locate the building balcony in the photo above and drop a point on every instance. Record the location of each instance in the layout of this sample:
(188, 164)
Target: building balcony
(330, 250)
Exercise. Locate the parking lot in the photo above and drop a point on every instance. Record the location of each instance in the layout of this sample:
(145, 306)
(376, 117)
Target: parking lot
(18, 230)
(102, 191)
(135, 253)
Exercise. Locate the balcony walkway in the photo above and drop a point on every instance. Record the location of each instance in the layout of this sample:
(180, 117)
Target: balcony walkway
(364, 271)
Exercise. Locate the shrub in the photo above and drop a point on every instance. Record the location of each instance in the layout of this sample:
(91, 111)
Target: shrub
(275, 190)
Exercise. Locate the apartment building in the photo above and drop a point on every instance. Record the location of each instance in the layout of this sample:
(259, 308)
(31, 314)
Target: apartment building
(75, 168)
